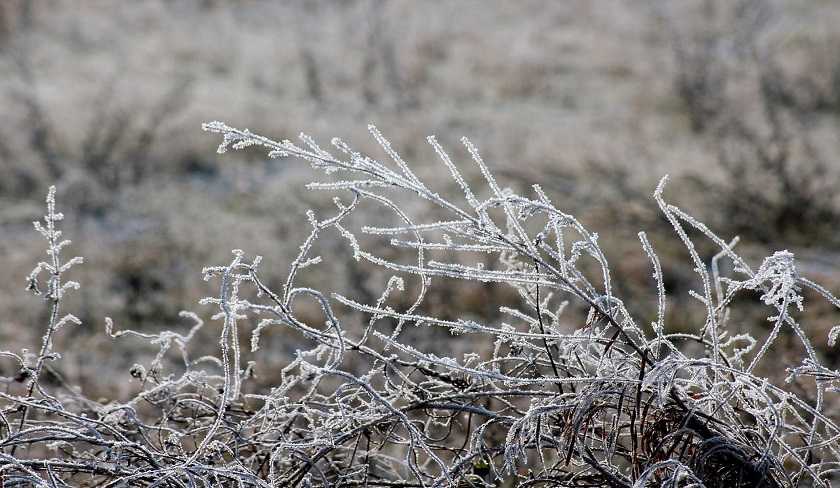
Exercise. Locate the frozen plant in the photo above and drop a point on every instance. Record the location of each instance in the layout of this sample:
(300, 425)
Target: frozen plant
(574, 390)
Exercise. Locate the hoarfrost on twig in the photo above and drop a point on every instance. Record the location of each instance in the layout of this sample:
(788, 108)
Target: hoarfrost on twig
(569, 391)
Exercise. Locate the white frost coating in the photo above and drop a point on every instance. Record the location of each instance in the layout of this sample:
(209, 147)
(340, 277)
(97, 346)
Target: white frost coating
(569, 385)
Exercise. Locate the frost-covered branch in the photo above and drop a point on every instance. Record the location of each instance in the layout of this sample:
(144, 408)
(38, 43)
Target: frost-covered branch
(567, 387)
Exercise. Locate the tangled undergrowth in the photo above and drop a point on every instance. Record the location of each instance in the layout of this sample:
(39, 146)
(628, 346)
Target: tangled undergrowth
(573, 390)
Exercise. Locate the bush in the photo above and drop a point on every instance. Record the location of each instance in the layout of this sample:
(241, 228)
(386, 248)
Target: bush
(762, 119)
(570, 389)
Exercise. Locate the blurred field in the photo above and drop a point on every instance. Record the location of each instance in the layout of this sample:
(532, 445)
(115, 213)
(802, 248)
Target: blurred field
(738, 101)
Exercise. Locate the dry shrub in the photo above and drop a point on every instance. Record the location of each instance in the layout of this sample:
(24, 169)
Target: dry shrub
(567, 388)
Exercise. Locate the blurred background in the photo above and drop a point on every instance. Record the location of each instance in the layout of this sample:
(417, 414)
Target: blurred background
(739, 101)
